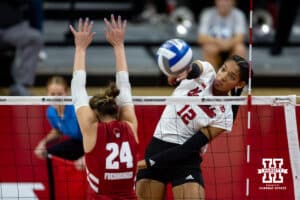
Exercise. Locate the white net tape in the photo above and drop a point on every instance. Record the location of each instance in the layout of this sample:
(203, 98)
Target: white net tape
(156, 100)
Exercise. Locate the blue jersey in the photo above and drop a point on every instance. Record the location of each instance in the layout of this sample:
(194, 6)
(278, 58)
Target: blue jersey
(68, 124)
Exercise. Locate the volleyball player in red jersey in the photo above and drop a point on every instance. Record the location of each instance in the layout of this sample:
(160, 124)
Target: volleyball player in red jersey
(109, 129)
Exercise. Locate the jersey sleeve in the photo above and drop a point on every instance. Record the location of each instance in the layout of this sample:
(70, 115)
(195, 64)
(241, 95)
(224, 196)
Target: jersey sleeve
(207, 69)
(224, 120)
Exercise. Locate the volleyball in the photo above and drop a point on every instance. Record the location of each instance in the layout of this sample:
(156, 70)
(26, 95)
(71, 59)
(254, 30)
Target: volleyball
(173, 56)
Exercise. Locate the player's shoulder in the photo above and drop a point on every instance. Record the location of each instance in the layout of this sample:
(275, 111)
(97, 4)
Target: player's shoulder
(128, 126)
(205, 67)
(228, 109)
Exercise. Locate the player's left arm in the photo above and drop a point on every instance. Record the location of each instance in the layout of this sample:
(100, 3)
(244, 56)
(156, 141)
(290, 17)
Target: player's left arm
(115, 35)
(212, 132)
(182, 152)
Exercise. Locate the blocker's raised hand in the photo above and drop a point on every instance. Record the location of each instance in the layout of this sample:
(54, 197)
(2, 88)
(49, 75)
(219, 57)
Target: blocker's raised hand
(115, 30)
(83, 36)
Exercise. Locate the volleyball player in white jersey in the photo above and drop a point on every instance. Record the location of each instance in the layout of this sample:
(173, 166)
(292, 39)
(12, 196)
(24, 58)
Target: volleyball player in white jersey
(173, 153)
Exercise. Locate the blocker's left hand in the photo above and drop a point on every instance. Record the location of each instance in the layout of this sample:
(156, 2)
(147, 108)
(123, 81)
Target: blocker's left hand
(83, 36)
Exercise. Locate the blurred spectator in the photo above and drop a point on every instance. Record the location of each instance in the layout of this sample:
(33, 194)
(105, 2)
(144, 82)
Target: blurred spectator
(286, 18)
(195, 6)
(7, 56)
(35, 13)
(72, 18)
(154, 10)
(64, 139)
(221, 32)
(15, 31)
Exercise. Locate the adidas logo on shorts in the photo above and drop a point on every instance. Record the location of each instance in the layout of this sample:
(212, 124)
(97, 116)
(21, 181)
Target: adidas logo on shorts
(189, 177)
(152, 162)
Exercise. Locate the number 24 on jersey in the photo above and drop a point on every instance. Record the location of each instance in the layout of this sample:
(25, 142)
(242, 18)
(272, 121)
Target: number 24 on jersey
(118, 154)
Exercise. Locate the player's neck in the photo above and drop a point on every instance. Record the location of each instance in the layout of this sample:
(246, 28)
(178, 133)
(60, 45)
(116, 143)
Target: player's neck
(218, 93)
(107, 118)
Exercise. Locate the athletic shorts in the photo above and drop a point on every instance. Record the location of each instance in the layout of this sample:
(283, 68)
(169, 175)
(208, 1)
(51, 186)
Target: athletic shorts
(70, 149)
(178, 174)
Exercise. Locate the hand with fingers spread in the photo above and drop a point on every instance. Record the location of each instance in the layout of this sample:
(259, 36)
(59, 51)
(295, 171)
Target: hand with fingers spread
(84, 35)
(115, 30)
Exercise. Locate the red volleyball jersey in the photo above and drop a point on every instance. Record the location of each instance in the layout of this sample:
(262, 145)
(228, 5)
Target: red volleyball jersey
(111, 166)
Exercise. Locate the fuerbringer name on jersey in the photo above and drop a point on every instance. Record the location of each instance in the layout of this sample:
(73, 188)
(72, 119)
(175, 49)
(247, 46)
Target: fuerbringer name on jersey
(118, 176)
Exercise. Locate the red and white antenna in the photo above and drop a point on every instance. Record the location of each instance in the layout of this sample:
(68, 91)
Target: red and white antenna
(249, 98)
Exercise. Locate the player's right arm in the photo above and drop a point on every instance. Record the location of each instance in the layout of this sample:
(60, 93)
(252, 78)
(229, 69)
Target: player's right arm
(83, 37)
(193, 71)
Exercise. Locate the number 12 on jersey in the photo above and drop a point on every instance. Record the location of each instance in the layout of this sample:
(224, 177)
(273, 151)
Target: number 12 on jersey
(186, 114)
(118, 155)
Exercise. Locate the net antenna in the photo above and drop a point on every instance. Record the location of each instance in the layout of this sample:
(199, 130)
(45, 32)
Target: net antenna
(250, 46)
(249, 97)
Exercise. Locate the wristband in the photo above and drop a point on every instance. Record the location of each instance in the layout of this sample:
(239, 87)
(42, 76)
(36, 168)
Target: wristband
(195, 71)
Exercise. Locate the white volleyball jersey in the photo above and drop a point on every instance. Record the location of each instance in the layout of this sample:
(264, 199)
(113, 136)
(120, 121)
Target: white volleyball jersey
(179, 122)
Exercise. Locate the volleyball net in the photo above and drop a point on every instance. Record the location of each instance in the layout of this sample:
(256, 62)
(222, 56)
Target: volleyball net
(263, 163)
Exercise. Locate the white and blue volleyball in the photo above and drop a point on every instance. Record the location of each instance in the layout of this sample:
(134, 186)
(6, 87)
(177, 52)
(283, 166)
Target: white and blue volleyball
(173, 56)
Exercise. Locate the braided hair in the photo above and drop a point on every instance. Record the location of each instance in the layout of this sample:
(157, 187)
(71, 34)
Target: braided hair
(105, 104)
(244, 73)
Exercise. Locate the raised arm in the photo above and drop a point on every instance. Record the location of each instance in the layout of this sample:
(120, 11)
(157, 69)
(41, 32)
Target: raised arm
(115, 33)
(83, 37)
